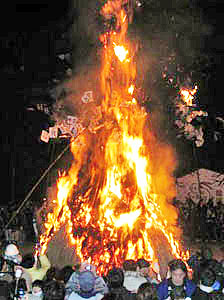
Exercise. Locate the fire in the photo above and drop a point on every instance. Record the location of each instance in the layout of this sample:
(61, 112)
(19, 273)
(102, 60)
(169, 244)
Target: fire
(188, 95)
(121, 52)
(131, 89)
(127, 219)
(110, 201)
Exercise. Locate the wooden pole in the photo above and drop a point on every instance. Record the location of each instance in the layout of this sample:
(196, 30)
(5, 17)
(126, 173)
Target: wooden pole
(36, 185)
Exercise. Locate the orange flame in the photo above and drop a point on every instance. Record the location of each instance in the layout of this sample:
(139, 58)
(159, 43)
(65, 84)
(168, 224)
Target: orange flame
(187, 95)
(109, 199)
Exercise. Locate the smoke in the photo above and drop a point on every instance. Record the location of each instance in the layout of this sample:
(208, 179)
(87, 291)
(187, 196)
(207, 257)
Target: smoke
(169, 37)
(85, 32)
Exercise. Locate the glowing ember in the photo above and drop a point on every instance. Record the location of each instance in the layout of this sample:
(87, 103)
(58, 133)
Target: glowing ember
(188, 95)
(110, 200)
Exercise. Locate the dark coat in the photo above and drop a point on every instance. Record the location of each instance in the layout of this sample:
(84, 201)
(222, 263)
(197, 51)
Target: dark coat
(166, 286)
(201, 295)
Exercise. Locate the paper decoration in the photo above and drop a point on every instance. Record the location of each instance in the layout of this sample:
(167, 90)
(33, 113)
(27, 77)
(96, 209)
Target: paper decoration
(87, 97)
(62, 126)
(53, 132)
(44, 136)
(71, 120)
(185, 114)
(43, 107)
(69, 126)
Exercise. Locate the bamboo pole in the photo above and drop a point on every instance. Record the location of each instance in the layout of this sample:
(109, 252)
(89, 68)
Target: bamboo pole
(36, 185)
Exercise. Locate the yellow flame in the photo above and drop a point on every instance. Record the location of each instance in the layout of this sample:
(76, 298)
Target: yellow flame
(120, 52)
(131, 89)
(127, 219)
(188, 95)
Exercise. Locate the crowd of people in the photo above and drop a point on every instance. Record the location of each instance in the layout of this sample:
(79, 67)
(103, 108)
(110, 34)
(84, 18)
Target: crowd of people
(20, 227)
(32, 277)
(200, 220)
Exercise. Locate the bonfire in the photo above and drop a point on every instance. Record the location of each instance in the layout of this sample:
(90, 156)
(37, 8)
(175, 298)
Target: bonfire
(115, 199)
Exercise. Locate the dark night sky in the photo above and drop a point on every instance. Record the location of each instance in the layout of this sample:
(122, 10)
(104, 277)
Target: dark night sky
(35, 14)
(32, 15)
(214, 12)
(24, 14)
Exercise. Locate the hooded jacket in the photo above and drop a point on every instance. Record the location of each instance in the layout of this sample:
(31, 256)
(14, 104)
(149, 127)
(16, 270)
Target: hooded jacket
(166, 286)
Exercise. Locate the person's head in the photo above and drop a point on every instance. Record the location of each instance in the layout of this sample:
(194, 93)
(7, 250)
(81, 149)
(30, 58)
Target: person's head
(129, 265)
(37, 287)
(178, 271)
(54, 290)
(28, 261)
(146, 291)
(143, 267)
(87, 281)
(207, 277)
(12, 253)
(115, 278)
(52, 274)
(65, 273)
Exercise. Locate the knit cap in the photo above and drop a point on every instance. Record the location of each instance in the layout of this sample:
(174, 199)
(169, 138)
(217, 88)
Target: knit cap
(87, 281)
(11, 250)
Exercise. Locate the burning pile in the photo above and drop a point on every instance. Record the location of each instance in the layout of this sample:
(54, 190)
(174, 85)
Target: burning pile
(113, 199)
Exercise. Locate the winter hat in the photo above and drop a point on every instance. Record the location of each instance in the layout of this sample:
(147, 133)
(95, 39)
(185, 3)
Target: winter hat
(12, 254)
(115, 278)
(11, 250)
(87, 281)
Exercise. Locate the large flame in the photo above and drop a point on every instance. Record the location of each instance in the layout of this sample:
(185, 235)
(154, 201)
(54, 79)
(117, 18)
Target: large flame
(110, 201)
